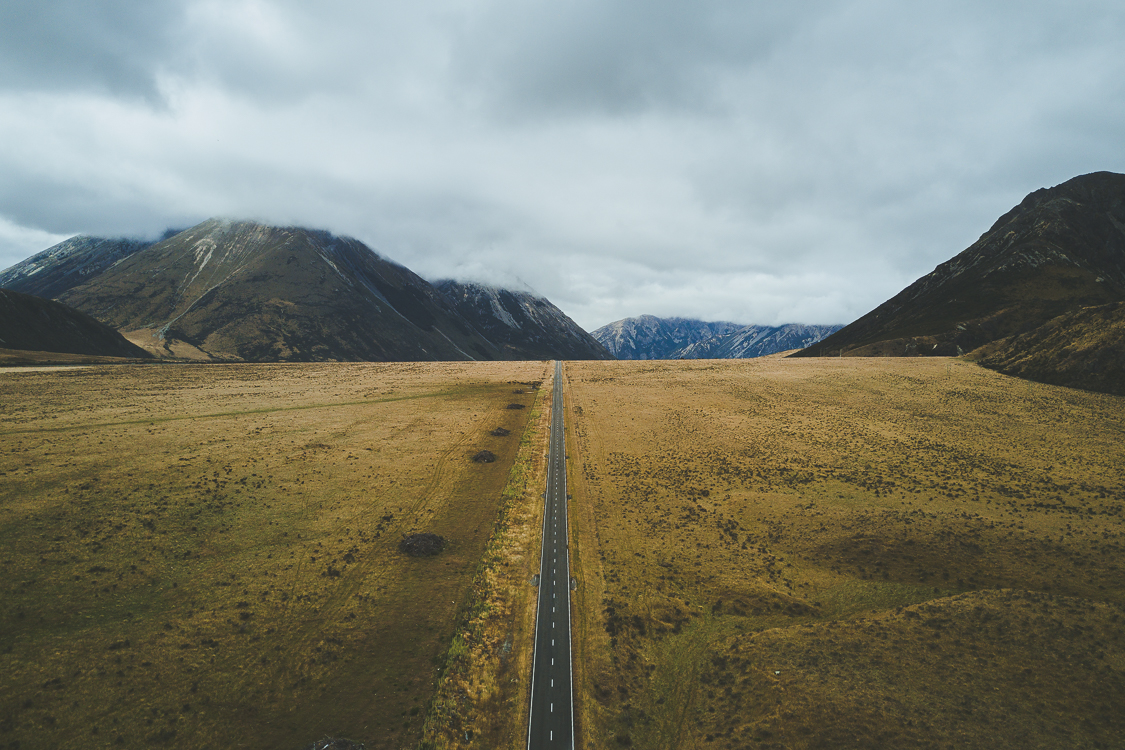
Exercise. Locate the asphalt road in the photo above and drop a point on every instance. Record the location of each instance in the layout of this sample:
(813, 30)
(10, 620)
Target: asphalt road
(551, 724)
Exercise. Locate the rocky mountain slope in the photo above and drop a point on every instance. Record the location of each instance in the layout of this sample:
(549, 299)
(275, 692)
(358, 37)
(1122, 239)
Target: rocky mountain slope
(649, 337)
(521, 324)
(68, 264)
(1060, 249)
(1084, 348)
(237, 290)
(756, 341)
(245, 291)
(31, 323)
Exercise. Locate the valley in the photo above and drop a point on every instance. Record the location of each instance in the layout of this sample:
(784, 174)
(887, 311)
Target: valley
(777, 552)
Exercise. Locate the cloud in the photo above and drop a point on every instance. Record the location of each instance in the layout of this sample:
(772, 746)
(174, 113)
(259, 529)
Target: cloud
(721, 160)
(620, 57)
(110, 46)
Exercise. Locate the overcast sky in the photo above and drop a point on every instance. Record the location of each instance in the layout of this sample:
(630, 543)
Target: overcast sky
(754, 162)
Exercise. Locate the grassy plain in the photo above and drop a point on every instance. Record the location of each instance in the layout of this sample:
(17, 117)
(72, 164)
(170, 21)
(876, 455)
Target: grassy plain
(207, 555)
(482, 699)
(845, 553)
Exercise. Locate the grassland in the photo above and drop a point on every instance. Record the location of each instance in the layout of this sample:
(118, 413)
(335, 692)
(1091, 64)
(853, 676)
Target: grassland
(845, 553)
(207, 556)
(482, 698)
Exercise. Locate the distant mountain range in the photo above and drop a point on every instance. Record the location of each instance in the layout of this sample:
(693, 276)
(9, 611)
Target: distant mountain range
(649, 337)
(1060, 249)
(1038, 295)
(243, 291)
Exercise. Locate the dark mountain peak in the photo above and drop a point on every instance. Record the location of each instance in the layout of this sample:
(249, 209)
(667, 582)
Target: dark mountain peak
(243, 290)
(68, 264)
(235, 289)
(1060, 248)
(521, 320)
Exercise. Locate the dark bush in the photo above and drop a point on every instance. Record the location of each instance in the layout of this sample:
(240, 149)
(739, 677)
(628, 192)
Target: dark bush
(516, 406)
(501, 432)
(422, 545)
(485, 457)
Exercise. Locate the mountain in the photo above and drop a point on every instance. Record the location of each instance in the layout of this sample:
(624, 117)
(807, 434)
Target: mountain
(238, 290)
(1060, 249)
(649, 337)
(1084, 348)
(31, 323)
(756, 341)
(68, 264)
(521, 324)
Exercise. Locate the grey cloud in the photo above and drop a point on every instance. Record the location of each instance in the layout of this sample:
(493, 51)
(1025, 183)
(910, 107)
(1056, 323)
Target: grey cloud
(113, 46)
(614, 56)
(719, 160)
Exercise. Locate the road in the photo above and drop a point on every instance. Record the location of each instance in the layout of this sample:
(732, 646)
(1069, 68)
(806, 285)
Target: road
(551, 724)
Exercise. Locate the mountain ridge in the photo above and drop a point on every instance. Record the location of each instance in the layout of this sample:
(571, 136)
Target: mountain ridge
(243, 291)
(1059, 249)
(516, 320)
(650, 337)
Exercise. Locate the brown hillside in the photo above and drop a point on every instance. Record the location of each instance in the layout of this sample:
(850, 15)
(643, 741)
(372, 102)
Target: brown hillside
(1060, 249)
(245, 291)
(1082, 349)
(32, 324)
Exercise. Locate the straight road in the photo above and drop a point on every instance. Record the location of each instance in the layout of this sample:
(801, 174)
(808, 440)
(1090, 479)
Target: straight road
(551, 724)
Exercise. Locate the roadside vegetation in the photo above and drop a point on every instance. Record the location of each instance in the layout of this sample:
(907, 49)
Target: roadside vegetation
(845, 553)
(208, 556)
(482, 695)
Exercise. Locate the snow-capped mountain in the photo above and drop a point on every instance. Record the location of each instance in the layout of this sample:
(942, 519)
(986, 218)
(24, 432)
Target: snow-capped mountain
(521, 321)
(649, 337)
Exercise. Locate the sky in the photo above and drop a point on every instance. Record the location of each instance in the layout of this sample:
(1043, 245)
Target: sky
(753, 162)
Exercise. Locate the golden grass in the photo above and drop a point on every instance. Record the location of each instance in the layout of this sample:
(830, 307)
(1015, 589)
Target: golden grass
(206, 556)
(845, 553)
(482, 697)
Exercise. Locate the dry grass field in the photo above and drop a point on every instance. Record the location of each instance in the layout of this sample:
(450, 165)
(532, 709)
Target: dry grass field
(845, 554)
(207, 555)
